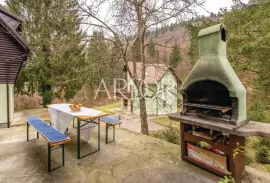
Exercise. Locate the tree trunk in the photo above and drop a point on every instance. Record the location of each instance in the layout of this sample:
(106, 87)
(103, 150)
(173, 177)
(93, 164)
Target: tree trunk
(143, 115)
(141, 34)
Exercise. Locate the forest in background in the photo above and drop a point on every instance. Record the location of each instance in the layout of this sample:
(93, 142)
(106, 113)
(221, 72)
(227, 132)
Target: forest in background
(67, 64)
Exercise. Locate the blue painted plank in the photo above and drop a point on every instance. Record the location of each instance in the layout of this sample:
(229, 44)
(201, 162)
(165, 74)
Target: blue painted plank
(50, 133)
(109, 119)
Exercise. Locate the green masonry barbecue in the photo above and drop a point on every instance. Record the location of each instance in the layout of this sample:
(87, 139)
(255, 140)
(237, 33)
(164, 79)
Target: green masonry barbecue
(214, 103)
(212, 90)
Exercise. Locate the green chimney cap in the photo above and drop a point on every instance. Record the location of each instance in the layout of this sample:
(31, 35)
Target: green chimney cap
(210, 30)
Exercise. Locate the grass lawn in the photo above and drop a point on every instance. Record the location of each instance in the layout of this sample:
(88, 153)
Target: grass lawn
(166, 121)
(107, 108)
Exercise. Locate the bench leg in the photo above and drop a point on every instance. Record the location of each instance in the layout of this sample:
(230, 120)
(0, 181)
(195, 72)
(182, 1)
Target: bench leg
(98, 134)
(63, 154)
(49, 158)
(107, 131)
(50, 149)
(27, 132)
(78, 139)
(27, 129)
(113, 132)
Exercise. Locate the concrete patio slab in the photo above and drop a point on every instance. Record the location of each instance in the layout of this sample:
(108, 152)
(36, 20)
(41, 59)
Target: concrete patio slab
(132, 158)
(130, 122)
(19, 116)
(135, 125)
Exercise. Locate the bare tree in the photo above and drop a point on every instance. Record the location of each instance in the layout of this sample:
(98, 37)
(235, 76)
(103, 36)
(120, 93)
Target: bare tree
(127, 20)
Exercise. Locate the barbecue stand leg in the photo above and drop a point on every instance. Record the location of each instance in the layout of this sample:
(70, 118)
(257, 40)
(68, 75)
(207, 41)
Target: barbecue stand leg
(237, 165)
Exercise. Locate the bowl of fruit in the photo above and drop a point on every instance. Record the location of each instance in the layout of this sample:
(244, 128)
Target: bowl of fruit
(75, 108)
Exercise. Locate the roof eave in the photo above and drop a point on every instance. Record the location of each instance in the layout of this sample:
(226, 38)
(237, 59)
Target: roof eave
(16, 36)
(5, 11)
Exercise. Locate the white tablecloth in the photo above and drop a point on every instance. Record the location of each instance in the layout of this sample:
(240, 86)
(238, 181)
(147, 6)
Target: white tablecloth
(61, 116)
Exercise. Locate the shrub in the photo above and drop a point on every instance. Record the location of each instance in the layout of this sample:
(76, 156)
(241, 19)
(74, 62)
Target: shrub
(265, 141)
(22, 102)
(248, 159)
(263, 155)
(261, 141)
(171, 135)
(256, 111)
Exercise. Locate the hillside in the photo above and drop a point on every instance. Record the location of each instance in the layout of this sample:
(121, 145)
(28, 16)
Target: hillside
(164, 42)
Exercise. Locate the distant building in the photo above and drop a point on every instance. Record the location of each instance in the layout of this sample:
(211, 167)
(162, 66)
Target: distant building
(13, 52)
(161, 97)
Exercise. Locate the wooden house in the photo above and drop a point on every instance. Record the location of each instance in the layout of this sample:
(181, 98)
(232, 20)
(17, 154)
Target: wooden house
(13, 52)
(161, 96)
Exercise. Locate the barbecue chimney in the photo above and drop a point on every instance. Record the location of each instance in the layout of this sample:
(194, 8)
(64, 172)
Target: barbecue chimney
(212, 90)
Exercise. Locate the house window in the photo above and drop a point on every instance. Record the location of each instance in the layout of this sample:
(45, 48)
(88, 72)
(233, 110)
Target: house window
(164, 103)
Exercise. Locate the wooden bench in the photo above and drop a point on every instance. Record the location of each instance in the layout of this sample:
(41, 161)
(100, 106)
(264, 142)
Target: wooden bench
(54, 137)
(110, 122)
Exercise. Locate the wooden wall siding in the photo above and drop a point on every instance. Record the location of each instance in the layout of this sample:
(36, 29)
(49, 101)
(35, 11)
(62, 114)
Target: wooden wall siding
(9, 48)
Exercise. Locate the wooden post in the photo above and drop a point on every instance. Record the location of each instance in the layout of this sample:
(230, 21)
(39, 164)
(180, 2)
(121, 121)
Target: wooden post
(8, 105)
(183, 144)
(237, 165)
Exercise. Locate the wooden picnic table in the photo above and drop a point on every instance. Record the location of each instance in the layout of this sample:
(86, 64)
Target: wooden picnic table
(84, 117)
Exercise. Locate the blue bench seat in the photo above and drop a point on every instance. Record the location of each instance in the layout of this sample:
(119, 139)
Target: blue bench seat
(52, 135)
(110, 121)
(49, 133)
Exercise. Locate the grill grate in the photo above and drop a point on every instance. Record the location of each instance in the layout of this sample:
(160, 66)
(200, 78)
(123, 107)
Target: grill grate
(214, 107)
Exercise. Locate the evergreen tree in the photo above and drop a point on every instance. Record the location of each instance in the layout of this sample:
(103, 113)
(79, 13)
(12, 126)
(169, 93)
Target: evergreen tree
(52, 30)
(151, 48)
(99, 59)
(175, 56)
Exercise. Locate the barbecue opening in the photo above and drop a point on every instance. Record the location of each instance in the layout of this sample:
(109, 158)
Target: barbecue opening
(209, 92)
(208, 99)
